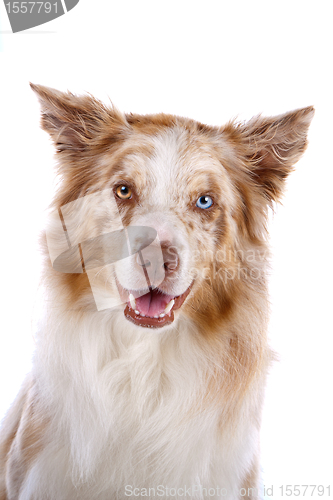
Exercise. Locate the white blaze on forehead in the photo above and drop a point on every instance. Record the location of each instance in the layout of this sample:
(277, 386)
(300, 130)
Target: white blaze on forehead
(173, 164)
(165, 164)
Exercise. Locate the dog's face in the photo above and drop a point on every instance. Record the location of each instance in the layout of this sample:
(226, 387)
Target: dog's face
(192, 201)
(178, 187)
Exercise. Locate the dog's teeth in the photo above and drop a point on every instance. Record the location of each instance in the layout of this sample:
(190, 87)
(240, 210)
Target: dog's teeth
(143, 315)
(162, 315)
(169, 306)
(132, 301)
(137, 312)
(156, 317)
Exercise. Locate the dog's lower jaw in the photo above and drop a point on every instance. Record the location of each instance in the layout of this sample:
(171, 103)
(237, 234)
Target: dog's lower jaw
(166, 317)
(146, 321)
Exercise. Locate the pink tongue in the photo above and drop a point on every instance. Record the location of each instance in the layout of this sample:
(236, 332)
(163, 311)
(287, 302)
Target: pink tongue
(153, 303)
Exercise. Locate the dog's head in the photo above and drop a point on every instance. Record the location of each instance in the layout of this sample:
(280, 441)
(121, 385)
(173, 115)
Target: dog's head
(178, 209)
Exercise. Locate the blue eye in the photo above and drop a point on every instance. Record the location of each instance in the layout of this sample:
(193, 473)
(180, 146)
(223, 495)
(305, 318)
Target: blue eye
(204, 202)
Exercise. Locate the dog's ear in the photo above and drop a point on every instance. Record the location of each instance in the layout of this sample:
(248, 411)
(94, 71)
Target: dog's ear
(74, 122)
(272, 146)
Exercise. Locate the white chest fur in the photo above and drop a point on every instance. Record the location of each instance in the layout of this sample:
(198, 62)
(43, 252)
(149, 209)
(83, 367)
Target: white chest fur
(133, 412)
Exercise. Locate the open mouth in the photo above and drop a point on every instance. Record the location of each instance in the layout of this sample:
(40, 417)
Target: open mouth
(153, 309)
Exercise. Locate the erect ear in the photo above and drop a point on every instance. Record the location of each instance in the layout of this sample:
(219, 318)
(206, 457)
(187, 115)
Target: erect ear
(272, 146)
(74, 122)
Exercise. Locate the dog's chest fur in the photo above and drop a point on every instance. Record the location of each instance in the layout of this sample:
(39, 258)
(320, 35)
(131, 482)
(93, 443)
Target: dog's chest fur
(144, 419)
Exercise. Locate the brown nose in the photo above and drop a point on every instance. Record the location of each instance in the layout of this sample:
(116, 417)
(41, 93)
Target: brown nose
(157, 258)
(170, 257)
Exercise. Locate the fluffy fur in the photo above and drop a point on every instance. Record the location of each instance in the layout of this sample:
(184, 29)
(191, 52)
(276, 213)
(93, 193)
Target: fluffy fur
(111, 405)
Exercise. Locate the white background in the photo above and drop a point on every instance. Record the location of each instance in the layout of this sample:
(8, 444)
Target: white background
(211, 61)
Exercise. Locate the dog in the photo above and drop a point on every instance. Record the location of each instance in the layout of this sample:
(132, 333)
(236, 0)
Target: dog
(151, 353)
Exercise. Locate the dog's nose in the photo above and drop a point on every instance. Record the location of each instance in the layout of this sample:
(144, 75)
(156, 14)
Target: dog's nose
(157, 258)
(170, 257)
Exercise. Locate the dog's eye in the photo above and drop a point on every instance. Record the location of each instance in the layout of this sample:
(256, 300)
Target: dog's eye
(124, 192)
(204, 202)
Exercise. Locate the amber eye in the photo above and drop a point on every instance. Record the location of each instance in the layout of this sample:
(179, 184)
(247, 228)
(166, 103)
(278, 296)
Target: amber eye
(124, 192)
